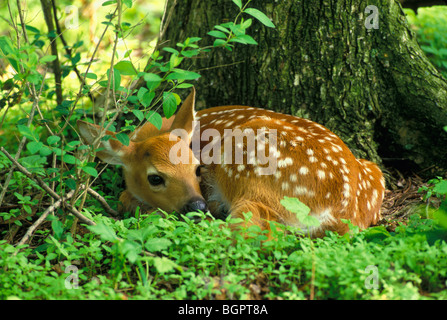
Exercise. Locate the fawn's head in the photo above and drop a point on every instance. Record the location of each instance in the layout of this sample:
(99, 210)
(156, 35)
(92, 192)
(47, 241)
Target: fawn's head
(151, 175)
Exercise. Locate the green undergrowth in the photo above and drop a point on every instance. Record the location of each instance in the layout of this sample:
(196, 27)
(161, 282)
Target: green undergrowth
(154, 257)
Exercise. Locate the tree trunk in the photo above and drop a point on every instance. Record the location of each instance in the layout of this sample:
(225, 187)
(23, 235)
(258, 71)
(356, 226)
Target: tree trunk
(325, 61)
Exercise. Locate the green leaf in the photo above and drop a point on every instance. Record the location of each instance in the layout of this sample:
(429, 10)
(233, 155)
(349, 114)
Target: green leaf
(309, 221)
(90, 170)
(440, 215)
(244, 39)
(128, 3)
(72, 145)
(90, 75)
(145, 97)
(238, 3)
(45, 151)
(31, 29)
(127, 53)
(441, 187)
(71, 183)
(8, 48)
(152, 77)
(301, 210)
(152, 81)
(141, 234)
(164, 265)
(131, 250)
(68, 158)
(27, 208)
(141, 93)
(255, 13)
(34, 146)
(219, 42)
(376, 233)
(46, 59)
(193, 39)
(6, 45)
(58, 228)
(125, 68)
(107, 3)
(222, 28)
(246, 24)
(169, 104)
(190, 53)
(59, 246)
(26, 131)
(185, 85)
(105, 232)
(138, 114)
(116, 81)
(171, 50)
(154, 118)
(294, 205)
(174, 61)
(123, 138)
(58, 151)
(157, 244)
(237, 29)
(180, 74)
(19, 196)
(217, 34)
(295, 257)
(53, 140)
(34, 78)
(103, 83)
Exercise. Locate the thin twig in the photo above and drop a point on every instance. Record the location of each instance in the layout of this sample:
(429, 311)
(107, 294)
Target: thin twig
(42, 218)
(44, 186)
(101, 200)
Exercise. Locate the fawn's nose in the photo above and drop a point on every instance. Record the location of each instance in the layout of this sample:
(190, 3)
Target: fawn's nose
(194, 205)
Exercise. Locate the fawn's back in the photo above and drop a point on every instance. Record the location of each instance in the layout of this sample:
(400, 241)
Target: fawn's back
(312, 164)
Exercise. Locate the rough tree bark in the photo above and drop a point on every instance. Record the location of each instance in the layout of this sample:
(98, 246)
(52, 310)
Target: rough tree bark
(373, 87)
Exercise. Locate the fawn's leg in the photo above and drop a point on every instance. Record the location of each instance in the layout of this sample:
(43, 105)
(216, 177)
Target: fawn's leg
(129, 204)
(261, 214)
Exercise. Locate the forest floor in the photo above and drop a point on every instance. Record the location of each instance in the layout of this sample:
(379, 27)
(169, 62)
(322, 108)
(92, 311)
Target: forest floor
(403, 199)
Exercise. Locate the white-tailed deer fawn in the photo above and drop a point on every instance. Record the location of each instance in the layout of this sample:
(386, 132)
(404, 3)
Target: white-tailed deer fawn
(309, 162)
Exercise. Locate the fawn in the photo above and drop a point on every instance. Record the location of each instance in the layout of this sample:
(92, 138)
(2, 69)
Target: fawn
(309, 162)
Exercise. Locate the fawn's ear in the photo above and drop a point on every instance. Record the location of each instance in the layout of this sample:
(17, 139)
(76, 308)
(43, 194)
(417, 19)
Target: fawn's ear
(112, 150)
(186, 115)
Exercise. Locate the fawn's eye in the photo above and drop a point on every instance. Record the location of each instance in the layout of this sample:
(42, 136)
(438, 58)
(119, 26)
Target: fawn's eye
(155, 180)
(198, 171)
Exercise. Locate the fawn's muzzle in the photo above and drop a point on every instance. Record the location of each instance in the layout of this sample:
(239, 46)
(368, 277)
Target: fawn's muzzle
(194, 205)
